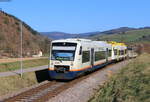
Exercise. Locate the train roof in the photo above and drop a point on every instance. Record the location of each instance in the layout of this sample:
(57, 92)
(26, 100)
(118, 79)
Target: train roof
(72, 40)
(82, 41)
(88, 42)
(78, 40)
(113, 43)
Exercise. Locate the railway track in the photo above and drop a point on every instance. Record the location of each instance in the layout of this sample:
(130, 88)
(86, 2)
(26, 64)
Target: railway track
(35, 93)
(48, 90)
(43, 92)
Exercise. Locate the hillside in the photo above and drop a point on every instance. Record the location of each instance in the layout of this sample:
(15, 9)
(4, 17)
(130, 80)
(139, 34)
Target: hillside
(118, 30)
(95, 35)
(131, 84)
(139, 38)
(138, 35)
(10, 38)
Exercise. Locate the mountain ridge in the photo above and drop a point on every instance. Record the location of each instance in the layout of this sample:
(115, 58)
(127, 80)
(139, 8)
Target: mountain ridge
(62, 35)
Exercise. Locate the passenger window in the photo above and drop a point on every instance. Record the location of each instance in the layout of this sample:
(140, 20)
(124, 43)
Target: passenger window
(122, 52)
(85, 56)
(99, 55)
(125, 51)
(80, 52)
(115, 51)
(119, 52)
(109, 53)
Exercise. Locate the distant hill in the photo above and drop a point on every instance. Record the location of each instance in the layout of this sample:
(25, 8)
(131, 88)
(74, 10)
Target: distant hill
(144, 38)
(118, 30)
(113, 31)
(125, 34)
(137, 35)
(62, 35)
(88, 34)
(10, 37)
(58, 35)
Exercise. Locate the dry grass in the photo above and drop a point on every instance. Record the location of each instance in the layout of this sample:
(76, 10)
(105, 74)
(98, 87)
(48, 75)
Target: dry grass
(15, 83)
(8, 60)
(132, 84)
(26, 64)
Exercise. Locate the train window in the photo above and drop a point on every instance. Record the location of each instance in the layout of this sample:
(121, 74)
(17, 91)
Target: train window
(80, 52)
(109, 53)
(64, 44)
(99, 55)
(121, 52)
(115, 51)
(85, 56)
(125, 51)
(63, 55)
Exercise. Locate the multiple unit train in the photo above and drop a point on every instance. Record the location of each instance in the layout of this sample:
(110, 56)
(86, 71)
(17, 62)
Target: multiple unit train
(70, 58)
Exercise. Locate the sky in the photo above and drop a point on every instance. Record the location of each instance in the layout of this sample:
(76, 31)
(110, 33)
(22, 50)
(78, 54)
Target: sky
(79, 16)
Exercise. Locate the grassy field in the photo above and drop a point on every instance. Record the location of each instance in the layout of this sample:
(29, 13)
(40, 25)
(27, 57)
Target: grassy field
(15, 83)
(128, 37)
(131, 84)
(26, 64)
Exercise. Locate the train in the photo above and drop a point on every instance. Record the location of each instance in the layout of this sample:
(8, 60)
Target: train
(70, 58)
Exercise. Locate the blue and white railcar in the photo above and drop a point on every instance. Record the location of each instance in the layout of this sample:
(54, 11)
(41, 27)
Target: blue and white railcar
(70, 58)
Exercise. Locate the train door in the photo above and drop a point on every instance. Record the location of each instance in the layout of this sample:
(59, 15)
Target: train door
(92, 57)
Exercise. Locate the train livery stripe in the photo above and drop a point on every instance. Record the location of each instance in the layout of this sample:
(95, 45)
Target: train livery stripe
(99, 63)
(50, 68)
(87, 67)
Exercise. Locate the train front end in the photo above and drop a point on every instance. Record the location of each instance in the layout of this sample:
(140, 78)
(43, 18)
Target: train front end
(62, 60)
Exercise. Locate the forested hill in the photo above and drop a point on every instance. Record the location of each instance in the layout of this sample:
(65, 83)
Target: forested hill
(10, 37)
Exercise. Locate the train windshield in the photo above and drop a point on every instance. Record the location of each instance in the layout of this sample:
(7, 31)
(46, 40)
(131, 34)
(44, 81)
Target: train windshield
(63, 51)
(63, 55)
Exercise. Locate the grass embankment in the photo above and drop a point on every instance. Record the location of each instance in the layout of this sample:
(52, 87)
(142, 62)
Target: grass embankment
(15, 83)
(131, 84)
(26, 64)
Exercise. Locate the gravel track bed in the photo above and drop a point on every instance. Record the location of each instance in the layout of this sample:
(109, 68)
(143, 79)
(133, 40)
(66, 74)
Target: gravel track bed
(83, 90)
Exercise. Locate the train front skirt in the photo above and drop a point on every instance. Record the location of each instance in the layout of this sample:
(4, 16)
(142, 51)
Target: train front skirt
(73, 74)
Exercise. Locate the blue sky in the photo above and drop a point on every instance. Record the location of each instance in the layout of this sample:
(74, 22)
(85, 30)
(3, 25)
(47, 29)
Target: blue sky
(79, 16)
